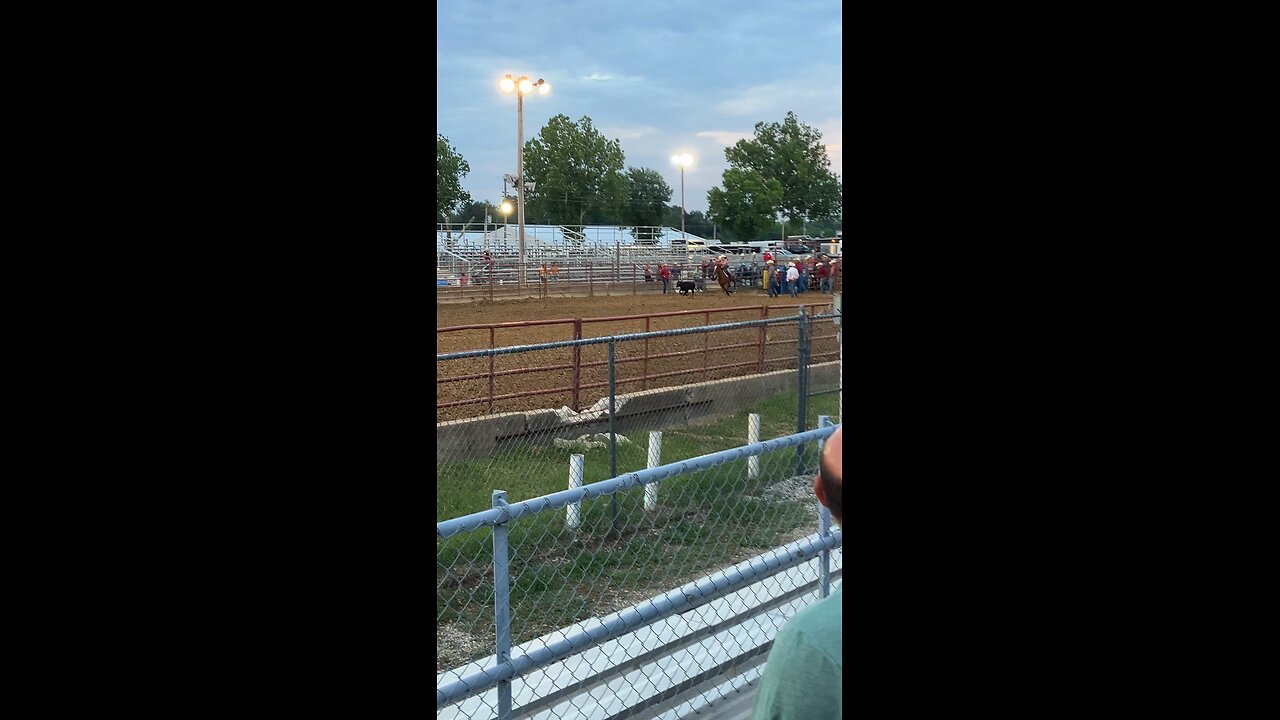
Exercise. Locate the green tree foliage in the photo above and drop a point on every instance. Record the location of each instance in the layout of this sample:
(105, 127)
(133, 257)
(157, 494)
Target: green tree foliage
(577, 171)
(473, 212)
(793, 154)
(747, 206)
(695, 222)
(450, 169)
(647, 198)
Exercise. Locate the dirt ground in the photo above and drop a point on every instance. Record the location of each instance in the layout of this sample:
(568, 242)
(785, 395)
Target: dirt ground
(555, 377)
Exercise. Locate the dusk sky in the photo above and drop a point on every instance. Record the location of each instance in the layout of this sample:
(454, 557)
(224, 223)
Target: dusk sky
(662, 77)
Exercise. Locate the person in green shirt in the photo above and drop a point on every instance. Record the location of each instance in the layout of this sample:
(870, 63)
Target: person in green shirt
(803, 675)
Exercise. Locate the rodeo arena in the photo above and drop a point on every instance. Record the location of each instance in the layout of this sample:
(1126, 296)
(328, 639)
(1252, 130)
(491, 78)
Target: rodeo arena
(628, 428)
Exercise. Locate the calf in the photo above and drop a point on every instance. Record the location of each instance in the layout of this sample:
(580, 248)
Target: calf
(685, 287)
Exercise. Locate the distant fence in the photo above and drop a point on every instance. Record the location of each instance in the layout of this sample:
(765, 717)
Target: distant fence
(629, 602)
(465, 278)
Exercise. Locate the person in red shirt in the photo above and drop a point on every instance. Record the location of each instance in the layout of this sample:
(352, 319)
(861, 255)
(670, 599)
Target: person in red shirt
(824, 278)
(664, 274)
(767, 256)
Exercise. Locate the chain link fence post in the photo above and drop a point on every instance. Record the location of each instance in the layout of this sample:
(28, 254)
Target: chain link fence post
(802, 392)
(502, 603)
(824, 526)
(613, 438)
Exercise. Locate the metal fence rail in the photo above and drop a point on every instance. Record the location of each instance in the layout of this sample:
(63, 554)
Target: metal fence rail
(559, 590)
(470, 388)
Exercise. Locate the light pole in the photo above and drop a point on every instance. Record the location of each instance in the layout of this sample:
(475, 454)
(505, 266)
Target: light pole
(684, 160)
(522, 87)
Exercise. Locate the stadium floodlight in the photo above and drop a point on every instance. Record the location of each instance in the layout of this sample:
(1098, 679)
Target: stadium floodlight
(525, 87)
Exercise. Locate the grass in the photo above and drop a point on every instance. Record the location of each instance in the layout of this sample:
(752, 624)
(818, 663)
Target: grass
(704, 521)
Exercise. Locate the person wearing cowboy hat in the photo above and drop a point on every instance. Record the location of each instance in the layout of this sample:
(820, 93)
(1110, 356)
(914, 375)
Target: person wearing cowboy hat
(766, 278)
(793, 279)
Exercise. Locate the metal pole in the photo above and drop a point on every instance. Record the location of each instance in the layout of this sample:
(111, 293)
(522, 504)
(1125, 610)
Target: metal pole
(520, 178)
(502, 603)
(836, 307)
(613, 442)
(753, 436)
(573, 511)
(824, 527)
(802, 391)
(655, 459)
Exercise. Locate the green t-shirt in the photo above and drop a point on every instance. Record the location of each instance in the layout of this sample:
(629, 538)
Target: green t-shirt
(802, 677)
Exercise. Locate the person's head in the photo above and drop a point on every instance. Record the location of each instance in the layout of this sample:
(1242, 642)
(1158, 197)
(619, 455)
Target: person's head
(829, 484)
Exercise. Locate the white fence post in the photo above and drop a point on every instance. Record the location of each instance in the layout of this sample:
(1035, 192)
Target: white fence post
(655, 459)
(573, 511)
(753, 436)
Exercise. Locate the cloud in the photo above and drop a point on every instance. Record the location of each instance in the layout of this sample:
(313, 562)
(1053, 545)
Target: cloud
(628, 133)
(725, 137)
(597, 76)
(775, 98)
(832, 130)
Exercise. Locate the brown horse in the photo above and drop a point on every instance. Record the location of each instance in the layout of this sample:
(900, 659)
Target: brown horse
(725, 278)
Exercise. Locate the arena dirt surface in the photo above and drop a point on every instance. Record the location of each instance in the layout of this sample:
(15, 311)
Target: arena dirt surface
(702, 349)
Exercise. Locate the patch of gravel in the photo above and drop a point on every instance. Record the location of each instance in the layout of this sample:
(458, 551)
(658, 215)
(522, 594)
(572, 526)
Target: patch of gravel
(455, 646)
(796, 487)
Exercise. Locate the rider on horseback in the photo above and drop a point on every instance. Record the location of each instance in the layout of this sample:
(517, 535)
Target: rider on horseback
(723, 276)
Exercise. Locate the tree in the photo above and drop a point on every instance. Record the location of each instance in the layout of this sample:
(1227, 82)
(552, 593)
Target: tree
(695, 222)
(793, 154)
(450, 169)
(647, 197)
(473, 211)
(578, 173)
(747, 205)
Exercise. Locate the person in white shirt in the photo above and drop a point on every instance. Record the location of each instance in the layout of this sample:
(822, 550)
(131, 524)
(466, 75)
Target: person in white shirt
(793, 278)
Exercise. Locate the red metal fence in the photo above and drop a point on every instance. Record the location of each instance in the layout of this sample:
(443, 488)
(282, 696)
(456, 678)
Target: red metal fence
(585, 374)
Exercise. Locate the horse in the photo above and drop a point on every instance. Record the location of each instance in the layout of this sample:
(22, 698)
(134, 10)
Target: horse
(725, 278)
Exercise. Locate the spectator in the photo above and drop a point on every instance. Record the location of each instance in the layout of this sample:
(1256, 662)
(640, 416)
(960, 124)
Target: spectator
(824, 279)
(648, 274)
(804, 673)
(664, 275)
(766, 278)
(793, 279)
(542, 273)
(462, 281)
(555, 271)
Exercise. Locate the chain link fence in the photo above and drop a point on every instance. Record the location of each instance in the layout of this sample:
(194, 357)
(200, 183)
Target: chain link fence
(604, 511)
(580, 585)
